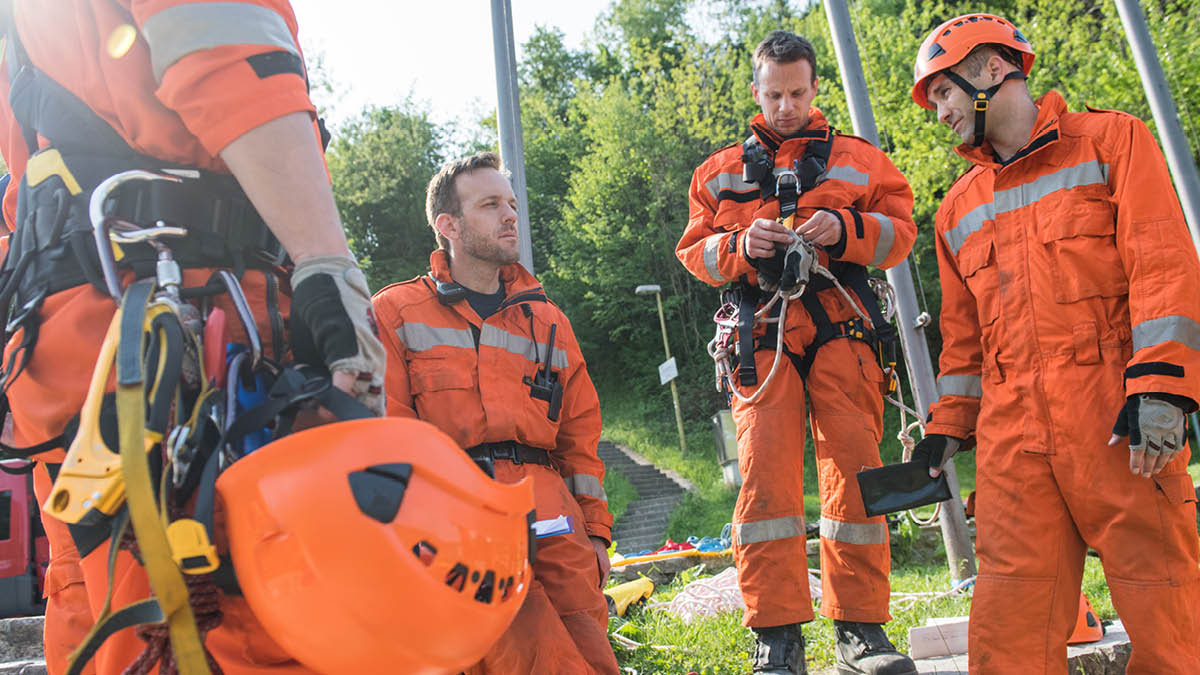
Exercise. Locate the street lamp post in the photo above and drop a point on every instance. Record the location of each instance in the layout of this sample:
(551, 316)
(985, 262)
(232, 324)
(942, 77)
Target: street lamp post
(647, 289)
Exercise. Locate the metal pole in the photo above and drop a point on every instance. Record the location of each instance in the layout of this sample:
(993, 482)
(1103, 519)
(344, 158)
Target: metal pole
(662, 322)
(1166, 117)
(916, 350)
(512, 150)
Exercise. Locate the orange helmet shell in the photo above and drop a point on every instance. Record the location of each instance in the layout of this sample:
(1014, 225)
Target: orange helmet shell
(950, 43)
(1087, 626)
(377, 546)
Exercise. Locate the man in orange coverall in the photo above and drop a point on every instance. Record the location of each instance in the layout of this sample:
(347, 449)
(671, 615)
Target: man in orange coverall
(476, 348)
(845, 196)
(101, 87)
(1069, 298)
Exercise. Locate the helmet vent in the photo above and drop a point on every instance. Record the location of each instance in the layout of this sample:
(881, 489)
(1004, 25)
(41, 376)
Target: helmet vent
(379, 489)
(1018, 37)
(484, 594)
(506, 588)
(425, 552)
(935, 50)
(456, 578)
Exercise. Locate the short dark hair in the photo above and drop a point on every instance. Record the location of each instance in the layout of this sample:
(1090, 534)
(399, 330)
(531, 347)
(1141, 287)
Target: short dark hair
(442, 194)
(974, 62)
(781, 46)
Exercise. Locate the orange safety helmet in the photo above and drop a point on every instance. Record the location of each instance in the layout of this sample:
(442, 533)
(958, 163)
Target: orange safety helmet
(1087, 627)
(950, 43)
(377, 545)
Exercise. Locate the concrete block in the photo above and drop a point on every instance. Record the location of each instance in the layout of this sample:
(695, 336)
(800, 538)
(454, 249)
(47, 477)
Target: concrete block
(21, 639)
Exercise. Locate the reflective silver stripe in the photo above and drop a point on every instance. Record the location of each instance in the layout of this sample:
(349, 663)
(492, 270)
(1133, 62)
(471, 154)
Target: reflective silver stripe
(1166, 329)
(586, 485)
(178, 31)
(1087, 173)
(863, 534)
(712, 250)
(520, 345)
(969, 224)
(419, 337)
(887, 237)
(769, 530)
(728, 181)
(960, 385)
(845, 173)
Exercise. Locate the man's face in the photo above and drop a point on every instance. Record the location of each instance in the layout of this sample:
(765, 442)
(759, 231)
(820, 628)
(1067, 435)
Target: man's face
(488, 224)
(785, 92)
(953, 106)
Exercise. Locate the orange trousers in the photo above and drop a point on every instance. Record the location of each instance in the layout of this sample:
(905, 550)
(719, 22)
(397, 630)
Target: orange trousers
(1037, 514)
(48, 394)
(562, 627)
(846, 413)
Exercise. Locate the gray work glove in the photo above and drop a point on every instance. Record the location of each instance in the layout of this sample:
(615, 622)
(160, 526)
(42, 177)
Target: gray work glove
(936, 450)
(333, 325)
(1155, 429)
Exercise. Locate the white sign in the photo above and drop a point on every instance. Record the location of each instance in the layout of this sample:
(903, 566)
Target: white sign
(667, 371)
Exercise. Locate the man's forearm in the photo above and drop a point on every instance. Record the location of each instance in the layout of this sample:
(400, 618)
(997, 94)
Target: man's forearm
(280, 167)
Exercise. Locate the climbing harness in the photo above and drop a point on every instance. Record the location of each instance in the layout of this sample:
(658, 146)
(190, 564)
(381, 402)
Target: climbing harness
(802, 276)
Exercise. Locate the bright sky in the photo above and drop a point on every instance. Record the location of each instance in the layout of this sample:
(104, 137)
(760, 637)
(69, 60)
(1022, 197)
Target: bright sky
(378, 51)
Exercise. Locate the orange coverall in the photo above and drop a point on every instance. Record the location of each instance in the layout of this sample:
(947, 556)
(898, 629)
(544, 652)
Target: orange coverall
(1069, 282)
(874, 204)
(467, 377)
(184, 89)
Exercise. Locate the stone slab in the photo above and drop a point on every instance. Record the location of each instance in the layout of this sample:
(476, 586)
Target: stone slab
(21, 639)
(1107, 656)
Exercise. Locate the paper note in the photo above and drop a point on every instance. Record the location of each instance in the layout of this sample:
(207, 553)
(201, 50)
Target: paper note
(553, 526)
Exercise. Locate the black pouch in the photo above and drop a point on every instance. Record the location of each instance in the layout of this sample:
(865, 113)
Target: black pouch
(899, 487)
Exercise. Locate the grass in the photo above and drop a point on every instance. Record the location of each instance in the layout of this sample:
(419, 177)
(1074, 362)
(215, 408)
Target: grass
(620, 492)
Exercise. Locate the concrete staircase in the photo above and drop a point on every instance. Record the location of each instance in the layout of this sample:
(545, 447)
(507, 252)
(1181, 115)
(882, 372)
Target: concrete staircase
(644, 523)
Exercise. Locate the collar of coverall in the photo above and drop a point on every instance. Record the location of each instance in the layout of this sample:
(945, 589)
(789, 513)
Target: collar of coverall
(771, 140)
(515, 277)
(1051, 106)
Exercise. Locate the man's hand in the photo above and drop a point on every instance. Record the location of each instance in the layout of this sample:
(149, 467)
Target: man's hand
(763, 236)
(936, 450)
(1155, 430)
(333, 324)
(601, 558)
(822, 228)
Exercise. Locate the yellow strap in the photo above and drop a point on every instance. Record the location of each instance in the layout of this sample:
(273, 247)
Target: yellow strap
(165, 577)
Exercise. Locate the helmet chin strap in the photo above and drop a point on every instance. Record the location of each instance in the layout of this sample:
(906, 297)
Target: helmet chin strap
(980, 98)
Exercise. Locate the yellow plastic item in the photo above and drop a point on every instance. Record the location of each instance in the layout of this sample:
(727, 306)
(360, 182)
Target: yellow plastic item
(620, 597)
(690, 553)
(50, 163)
(190, 547)
(89, 484)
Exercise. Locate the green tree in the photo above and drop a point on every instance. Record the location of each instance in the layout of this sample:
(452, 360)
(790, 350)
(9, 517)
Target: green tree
(381, 162)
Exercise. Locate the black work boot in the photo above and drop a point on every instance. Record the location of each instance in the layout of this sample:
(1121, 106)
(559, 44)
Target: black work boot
(864, 649)
(779, 650)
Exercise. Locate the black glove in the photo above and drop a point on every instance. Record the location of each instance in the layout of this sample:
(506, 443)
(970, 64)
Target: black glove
(333, 324)
(935, 450)
(770, 270)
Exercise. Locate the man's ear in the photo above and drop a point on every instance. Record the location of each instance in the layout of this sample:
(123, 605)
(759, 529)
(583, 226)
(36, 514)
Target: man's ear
(816, 81)
(447, 226)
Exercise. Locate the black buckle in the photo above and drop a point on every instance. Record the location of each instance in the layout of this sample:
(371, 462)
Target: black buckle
(505, 451)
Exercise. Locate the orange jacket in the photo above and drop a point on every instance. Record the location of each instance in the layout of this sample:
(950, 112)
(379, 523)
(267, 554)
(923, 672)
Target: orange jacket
(465, 376)
(197, 76)
(1073, 258)
(868, 193)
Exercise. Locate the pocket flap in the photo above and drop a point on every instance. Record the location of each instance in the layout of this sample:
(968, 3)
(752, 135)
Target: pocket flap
(436, 374)
(1177, 488)
(1090, 218)
(975, 253)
